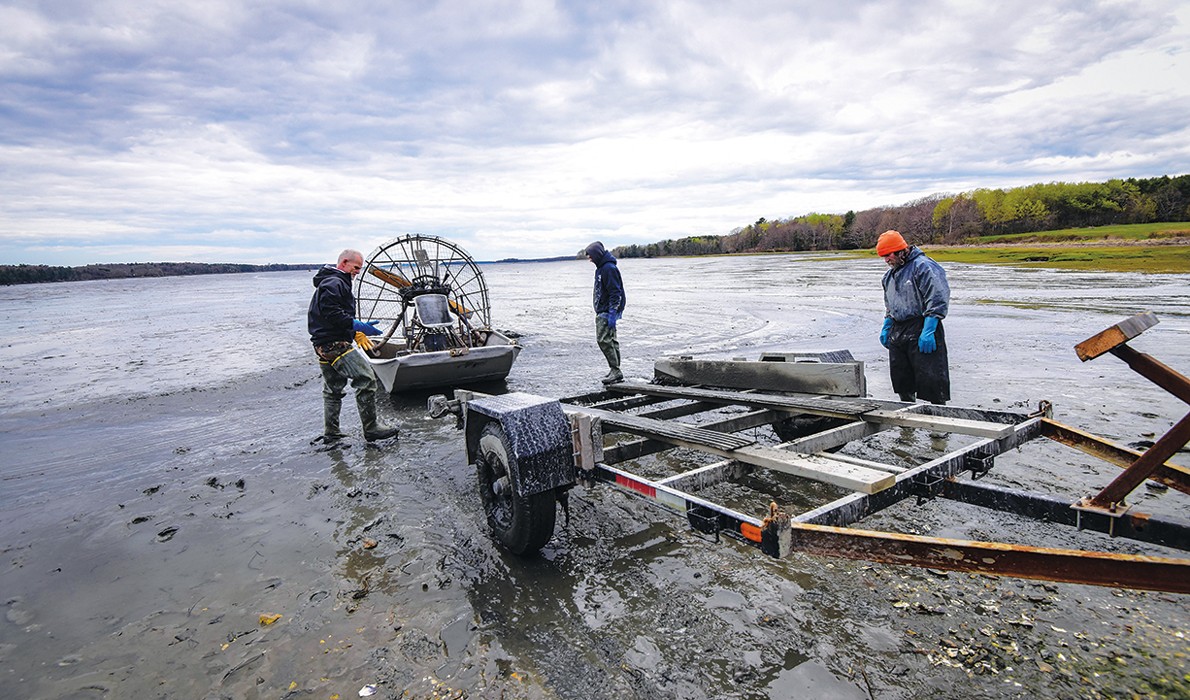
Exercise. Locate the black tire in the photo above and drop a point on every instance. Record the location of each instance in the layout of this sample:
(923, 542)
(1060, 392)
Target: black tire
(521, 524)
(801, 425)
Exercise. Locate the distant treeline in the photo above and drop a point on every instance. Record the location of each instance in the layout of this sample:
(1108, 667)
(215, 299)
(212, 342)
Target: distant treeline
(950, 219)
(25, 274)
(558, 258)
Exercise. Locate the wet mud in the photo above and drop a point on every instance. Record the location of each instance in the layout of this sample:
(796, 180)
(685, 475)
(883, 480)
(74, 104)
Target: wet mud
(169, 530)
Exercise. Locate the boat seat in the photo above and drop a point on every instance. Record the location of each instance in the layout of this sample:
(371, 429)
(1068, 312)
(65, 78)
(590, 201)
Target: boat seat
(433, 311)
(435, 327)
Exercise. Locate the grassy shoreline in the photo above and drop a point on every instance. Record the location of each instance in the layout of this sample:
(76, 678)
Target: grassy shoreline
(1162, 248)
(1148, 258)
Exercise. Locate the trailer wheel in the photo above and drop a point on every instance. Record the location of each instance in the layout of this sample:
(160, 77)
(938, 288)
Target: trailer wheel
(522, 524)
(799, 426)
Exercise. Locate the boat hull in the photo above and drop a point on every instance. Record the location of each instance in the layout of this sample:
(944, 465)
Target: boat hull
(444, 368)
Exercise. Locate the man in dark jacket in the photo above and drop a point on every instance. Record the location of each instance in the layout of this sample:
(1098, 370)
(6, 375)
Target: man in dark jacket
(916, 299)
(331, 323)
(609, 306)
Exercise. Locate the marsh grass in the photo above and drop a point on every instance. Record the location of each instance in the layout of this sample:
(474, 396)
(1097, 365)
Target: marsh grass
(1129, 232)
(1109, 258)
(1123, 248)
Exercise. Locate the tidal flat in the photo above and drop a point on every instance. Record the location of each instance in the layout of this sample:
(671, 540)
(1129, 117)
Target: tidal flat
(160, 500)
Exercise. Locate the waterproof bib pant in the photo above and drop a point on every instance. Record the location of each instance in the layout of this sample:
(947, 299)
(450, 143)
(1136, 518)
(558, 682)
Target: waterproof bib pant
(335, 375)
(916, 374)
(605, 336)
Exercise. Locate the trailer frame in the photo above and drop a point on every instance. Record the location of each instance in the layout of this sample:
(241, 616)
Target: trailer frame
(649, 413)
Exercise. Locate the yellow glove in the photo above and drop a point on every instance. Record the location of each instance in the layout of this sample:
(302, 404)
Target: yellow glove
(362, 341)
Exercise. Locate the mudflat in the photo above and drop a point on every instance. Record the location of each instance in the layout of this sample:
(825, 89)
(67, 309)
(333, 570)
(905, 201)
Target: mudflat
(161, 504)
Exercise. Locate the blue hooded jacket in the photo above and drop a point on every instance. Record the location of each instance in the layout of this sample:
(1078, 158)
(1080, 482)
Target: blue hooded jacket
(916, 288)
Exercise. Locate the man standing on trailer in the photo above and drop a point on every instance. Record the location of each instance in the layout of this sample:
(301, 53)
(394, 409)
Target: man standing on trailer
(331, 322)
(916, 299)
(609, 306)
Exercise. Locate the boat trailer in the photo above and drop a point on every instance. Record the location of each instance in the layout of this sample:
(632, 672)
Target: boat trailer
(530, 451)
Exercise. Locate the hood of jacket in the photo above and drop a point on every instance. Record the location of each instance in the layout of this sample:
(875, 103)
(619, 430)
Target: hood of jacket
(328, 271)
(599, 254)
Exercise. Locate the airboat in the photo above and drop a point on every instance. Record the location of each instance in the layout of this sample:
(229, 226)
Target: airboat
(429, 299)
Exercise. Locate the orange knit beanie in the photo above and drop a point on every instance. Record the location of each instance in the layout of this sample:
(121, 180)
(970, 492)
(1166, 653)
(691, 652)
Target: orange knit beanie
(890, 242)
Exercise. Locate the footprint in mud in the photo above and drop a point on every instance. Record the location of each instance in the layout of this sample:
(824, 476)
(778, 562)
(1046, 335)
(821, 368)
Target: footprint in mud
(17, 613)
(167, 534)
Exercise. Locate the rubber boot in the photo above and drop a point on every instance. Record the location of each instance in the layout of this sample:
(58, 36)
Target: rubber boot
(330, 419)
(373, 429)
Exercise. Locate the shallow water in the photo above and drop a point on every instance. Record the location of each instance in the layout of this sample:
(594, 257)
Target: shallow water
(158, 493)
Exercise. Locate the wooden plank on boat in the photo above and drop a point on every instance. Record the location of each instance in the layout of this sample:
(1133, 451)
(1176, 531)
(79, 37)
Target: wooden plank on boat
(836, 378)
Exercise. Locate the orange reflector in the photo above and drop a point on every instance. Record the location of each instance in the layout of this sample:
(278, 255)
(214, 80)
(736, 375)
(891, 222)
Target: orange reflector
(750, 532)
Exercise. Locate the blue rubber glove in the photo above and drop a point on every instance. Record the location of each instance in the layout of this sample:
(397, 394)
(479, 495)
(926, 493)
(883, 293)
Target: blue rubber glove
(884, 330)
(612, 317)
(926, 342)
(368, 328)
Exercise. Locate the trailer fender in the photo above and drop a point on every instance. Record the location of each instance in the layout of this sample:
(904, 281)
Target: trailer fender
(538, 435)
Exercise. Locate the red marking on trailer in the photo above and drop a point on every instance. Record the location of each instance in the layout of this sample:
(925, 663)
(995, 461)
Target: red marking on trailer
(635, 485)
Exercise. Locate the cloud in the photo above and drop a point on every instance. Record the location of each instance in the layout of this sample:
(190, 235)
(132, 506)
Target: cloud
(284, 130)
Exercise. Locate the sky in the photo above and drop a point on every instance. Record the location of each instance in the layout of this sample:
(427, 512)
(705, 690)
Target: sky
(282, 131)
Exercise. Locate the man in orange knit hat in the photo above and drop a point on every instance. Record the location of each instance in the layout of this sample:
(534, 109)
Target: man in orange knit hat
(916, 299)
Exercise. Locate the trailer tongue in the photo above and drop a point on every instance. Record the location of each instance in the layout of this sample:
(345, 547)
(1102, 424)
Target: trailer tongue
(530, 451)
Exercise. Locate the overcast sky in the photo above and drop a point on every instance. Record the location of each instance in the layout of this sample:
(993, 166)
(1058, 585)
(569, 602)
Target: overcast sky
(284, 131)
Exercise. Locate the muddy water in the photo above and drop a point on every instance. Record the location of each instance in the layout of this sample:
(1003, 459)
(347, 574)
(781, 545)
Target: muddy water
(159, 494)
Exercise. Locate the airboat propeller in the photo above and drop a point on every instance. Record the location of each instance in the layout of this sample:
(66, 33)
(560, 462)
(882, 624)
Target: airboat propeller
(430, 298)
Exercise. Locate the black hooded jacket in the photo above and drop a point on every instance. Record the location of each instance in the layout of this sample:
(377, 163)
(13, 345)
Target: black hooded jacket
(332, 310)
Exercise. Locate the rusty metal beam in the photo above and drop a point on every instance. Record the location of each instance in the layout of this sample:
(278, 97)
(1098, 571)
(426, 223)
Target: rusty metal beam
(1155, 371)
(1142, 468)
(991, 558)
(1172, 475)
(1115, 340)
(1047, 508)
(779, 537)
